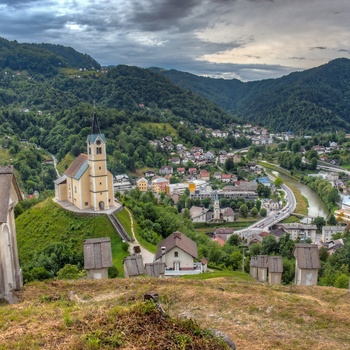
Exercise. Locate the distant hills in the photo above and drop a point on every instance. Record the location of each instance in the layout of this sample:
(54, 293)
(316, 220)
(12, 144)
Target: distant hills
(317, 99)
(41, 58)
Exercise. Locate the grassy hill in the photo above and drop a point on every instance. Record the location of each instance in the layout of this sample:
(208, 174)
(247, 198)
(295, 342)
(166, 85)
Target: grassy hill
(48, 228)
(111, 314)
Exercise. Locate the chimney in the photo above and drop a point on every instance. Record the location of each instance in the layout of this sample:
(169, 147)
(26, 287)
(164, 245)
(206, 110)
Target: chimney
(163, 253)
(177, 234)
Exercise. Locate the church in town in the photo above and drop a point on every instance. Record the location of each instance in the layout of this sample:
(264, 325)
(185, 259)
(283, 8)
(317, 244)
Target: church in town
(87, 184)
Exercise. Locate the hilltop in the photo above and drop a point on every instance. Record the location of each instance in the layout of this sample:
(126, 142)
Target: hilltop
(312, 100)
(44, 59)
(50, 237)
(52, 78)
(108, 314)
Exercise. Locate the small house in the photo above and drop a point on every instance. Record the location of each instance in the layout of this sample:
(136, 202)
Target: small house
(181, 171)
(262, 266)
(204, 175)
(200, 214)
(307, 264)
(226, 178)
(142, 184)
(155, 269)
(97, 257)
(253, 267)
(166, 170)
(133, 266)
(159, 185)
(178, 252)
(275, 265)
(227, 214)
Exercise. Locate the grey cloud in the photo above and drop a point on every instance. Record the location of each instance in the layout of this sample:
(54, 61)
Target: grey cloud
(162, 14)
(296, 58)
(319, 48)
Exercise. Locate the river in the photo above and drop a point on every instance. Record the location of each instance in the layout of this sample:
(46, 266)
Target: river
(316, 205)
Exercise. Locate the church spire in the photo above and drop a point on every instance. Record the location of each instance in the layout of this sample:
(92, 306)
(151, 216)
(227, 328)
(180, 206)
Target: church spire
(95, 126)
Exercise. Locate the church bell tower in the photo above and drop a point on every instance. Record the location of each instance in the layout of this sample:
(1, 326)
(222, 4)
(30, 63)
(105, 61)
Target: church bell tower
(97, 159)
(216, 208)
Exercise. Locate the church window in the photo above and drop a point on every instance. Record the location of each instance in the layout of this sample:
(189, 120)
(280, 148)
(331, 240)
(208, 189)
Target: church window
(86, 203)
(99, 150)
(99, 168)
(75, 189)
(176, 254)
(98, 142)
(69, 186)
(100, 183)
(89, 150)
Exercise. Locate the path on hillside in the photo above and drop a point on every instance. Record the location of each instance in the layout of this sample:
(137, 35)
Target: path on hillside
(147, 256)
(55, 165)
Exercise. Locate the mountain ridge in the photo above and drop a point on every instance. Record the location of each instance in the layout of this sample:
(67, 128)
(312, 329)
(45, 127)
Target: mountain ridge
(313, 99)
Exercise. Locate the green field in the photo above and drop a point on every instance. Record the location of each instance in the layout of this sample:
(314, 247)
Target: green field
(47, 223)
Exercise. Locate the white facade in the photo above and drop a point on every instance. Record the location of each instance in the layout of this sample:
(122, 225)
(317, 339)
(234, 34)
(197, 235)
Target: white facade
(177, 259)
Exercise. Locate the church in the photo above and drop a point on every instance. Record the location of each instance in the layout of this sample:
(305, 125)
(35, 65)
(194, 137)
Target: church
(87, 184)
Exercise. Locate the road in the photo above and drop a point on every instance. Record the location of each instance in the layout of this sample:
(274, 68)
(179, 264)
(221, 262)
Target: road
(273, 218)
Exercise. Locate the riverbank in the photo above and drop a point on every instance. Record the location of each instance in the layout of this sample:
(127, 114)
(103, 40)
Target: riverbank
(302, 202)
(308, 198)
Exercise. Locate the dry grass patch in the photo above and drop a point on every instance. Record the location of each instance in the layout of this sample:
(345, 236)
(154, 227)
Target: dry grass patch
(108, 314)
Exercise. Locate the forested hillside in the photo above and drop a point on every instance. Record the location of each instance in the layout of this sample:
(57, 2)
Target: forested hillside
(41, 58)
(134, 106)
(313, 100)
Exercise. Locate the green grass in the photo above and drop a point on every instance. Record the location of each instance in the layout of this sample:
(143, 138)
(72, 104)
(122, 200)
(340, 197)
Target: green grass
(4, 156)
(163, 126)
(291, 219)
(47, 223)
(217, 273)
(65, 163)
(243, 223)
(124, 219)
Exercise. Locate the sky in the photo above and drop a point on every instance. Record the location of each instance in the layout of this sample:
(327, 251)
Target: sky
(243, 39)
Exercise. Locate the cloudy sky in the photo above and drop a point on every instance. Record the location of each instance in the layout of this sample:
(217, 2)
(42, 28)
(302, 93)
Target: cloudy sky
(244, 39)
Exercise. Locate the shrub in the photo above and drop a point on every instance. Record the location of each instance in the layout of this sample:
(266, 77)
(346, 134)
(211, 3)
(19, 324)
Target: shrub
(68, 272)
(38, 273)
(113, 272)
(342, 281)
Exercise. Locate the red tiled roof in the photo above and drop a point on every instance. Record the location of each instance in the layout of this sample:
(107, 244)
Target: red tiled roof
(76, 165)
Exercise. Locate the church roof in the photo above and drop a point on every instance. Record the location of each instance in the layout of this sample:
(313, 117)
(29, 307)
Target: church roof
(60, 180)
(93, 137)
(95, 125)
(78, 167)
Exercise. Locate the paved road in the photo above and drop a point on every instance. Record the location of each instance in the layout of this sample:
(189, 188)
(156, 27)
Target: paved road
(273, 217)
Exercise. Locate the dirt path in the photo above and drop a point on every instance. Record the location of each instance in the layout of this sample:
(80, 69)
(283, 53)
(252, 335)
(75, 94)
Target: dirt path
(147, 256)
